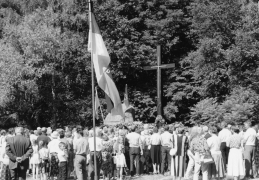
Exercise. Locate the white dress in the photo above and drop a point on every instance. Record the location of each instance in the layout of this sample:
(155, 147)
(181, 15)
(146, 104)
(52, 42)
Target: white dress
(236, 165)
(35, 159)
(120, 160)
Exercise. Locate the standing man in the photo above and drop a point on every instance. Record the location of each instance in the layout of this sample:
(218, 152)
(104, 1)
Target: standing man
(81, 148)
(224, 135)
(135, 150)
(166, 142)
(18, 149)
(249, 153)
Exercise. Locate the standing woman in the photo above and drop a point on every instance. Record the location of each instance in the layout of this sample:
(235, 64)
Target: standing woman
(235, 159)
(178, 162)
(217, 168)
(4, 172)
(198, 149)
(191, 163)
(155, 141)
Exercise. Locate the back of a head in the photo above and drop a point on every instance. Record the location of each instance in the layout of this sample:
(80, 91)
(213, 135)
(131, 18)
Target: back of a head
(86, 132)
(248, 123)
(61, 134)
(79, 130)
(10, 131)
(194, 132)
(166, 128)
(213, 130)
(3, 132)
(44, 130)
(223, 124)
(155, 130)
(180, 130)
(19, 130)
(235, 129)
(205, 129)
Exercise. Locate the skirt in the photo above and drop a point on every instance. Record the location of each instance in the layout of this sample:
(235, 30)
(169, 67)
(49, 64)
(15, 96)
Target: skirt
(5, 173)
(235, 163)
(178, 166)
(155, 154)
(45, 166)
(217, 169)
(35, 159)
(54, 169)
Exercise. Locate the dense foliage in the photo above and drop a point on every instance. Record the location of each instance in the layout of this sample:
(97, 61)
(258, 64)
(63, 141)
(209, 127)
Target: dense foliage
(45, 66)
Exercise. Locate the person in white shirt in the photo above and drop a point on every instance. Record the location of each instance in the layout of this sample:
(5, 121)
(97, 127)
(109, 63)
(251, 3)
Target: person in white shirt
(98, 153)
(53, 148)
(136, 150)
(224, 135)
(249, 152)
(166, 142)
(217, 167)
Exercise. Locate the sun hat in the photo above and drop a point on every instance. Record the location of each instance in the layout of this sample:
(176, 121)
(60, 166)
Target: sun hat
(55, 135)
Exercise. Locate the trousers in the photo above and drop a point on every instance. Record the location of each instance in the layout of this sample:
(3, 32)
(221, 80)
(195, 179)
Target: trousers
(134, 156)
(224, 151)
(18, 174)
(166, 159)
(249, 155)
(80, 167)
(200, 166)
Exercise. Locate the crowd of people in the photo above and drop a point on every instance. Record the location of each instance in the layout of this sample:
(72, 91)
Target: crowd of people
(134, 150)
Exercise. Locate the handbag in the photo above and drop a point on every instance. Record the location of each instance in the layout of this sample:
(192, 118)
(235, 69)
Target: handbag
(173, 151)
(207, 158)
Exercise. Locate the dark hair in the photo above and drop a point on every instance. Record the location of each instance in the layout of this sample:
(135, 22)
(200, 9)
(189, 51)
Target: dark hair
(39, 132)
(61, 134)
(166, 128)
(180, 130)
(11, 130)
(155, 130)
(133, 128)
(235, 129)
(31, 132)
(79, 130)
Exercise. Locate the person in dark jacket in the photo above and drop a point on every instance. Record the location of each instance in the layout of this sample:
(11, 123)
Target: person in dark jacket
(18, 149)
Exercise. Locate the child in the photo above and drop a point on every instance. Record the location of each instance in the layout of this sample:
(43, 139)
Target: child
(106, 164)
(120, 161)
(35, 159)
(44, 160)
(4, 171)
(62, 157)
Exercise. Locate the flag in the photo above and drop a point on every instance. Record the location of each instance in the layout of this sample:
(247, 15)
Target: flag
(96, 103)
(101, 61)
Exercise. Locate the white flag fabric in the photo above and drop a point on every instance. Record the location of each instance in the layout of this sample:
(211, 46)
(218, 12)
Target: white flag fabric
(101, 60)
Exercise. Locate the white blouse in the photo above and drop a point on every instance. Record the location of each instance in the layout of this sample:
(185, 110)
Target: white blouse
(214, 143)
(155, 139)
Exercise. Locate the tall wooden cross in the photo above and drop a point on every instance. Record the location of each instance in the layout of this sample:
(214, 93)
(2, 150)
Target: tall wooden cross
(158, 68)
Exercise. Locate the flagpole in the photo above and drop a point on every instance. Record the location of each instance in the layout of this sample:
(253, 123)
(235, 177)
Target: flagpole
(92, 74)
